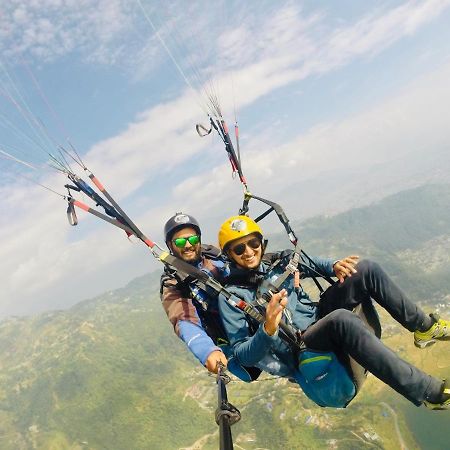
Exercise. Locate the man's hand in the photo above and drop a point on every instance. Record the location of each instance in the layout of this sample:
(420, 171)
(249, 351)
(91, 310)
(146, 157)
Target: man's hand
(212, 360)
(274, 311)
(345, 267)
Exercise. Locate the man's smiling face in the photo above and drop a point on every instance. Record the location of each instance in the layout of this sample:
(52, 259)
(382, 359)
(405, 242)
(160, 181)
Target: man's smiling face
(246, 251)
(189, 253)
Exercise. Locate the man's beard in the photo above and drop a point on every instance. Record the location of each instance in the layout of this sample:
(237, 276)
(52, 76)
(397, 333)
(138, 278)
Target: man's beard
(192, 258)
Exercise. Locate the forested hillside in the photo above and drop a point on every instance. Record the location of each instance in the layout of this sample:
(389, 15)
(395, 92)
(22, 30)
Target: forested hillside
(409, 233)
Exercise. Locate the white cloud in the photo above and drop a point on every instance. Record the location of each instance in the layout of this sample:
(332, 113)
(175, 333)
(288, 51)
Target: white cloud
(40, 250)
(374, 33)
(96, 30)
(48, 29)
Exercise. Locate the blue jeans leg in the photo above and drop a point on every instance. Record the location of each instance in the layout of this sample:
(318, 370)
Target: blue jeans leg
(372, 282)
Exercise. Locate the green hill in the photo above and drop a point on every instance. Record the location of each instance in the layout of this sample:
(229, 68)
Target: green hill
(100, 373)
(409, 233)
(109, 373)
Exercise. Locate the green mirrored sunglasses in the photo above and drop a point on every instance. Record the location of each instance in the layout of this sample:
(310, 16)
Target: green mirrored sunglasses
(181, 242)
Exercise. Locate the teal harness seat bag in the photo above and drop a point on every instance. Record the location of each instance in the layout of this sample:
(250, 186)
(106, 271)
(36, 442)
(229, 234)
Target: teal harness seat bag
(324, 379)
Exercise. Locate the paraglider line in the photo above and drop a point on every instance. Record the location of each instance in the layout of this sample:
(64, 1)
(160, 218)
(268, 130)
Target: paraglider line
(166, 48)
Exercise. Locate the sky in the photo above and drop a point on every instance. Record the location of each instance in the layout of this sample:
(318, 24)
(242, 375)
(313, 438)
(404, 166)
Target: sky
(338, 104)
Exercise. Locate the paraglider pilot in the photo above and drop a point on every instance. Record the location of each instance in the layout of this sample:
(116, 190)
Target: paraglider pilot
(195, 319)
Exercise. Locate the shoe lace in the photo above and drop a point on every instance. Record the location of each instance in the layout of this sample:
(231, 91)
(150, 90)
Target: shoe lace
(440, 329)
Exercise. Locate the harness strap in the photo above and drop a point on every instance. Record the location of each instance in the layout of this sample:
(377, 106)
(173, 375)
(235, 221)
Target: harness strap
(291, 268)
(321, 275)
(98, 214)
(187, 268)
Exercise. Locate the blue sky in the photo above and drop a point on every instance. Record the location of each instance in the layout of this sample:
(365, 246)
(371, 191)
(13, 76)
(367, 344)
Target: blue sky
(339, 103)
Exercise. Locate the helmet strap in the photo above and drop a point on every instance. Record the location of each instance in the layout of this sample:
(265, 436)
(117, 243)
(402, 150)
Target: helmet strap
(264, 245)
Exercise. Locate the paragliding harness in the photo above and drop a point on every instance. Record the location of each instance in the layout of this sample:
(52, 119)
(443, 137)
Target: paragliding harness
(325, 378)
(203, 302)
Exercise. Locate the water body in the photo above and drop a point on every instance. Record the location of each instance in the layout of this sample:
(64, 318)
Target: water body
(431, 429)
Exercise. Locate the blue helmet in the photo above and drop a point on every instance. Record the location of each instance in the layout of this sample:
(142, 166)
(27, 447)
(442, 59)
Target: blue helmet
(178, 221)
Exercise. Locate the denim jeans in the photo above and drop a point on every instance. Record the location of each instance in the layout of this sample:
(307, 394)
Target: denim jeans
(341, 331)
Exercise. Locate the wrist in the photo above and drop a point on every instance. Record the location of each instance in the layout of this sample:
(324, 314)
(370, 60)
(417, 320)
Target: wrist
(334, 265)
(268, 330)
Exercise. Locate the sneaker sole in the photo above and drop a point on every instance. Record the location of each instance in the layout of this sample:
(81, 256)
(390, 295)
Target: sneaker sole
(425, 344)
(438, 408)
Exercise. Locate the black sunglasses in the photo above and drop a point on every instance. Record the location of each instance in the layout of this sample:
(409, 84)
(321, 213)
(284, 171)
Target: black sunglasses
(239, 249)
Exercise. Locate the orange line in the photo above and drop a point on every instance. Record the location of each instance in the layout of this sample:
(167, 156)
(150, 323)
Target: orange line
(149, 243)
(81, 205)
(97, 183)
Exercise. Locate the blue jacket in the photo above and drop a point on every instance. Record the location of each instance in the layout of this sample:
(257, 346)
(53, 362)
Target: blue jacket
(255, 348)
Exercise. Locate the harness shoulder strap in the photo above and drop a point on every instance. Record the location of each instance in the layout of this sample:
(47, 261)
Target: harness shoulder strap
(290, 269)
(182, 281)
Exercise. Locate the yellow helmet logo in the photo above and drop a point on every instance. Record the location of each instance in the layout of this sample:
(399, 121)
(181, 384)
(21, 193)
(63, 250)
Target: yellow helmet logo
(236, 227)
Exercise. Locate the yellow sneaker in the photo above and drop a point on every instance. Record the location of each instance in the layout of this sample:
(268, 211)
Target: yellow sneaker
(446, 403)
(439, 331)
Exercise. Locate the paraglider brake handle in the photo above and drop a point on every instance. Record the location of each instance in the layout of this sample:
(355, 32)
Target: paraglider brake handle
(228, 410)
(225, 410)
(221, 375)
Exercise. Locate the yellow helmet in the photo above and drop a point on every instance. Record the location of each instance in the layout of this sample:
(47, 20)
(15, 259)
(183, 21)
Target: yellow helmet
(236, 227)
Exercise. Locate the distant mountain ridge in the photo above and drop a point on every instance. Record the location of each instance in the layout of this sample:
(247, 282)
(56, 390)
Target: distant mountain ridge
(398, 222)
(352, 187)
(408, 232)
